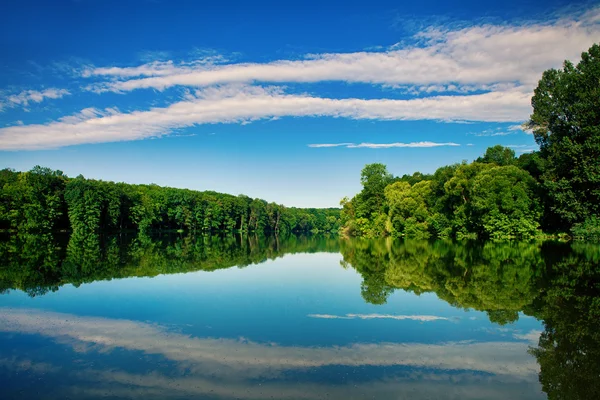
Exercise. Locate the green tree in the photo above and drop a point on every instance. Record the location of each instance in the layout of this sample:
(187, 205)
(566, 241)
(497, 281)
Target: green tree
(498, 155)
(566, 125)
(408, 211)
(374, 178)
(504, 203)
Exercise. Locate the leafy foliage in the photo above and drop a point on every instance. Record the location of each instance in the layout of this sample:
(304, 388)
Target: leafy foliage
(498, 155)
(464, 200)
(42, 200)
(566, 125)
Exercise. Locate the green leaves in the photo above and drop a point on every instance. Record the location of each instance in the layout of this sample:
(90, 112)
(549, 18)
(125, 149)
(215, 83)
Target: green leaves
(498, 155)
(467, 200)
(504, 203)
(566, 125)
(40, 200)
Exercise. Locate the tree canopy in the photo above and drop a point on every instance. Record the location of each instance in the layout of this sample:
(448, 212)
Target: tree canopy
(43, 200)
(566, 124)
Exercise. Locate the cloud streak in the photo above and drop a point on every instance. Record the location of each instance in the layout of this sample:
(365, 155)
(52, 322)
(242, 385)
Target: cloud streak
(482, 73)
(382, 145)
(487, 57)
(26, 97)
(243, 104)
(533, 336)
(238, 368)
(523, 148)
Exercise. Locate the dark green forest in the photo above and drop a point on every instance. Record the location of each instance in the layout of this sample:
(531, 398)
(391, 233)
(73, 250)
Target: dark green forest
(43, 200)
(553, 190)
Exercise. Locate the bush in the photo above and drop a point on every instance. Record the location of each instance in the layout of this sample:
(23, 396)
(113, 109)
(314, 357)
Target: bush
(588, 229)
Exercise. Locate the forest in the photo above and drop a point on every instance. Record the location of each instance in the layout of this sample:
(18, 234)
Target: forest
(43, 200)
(554, 190)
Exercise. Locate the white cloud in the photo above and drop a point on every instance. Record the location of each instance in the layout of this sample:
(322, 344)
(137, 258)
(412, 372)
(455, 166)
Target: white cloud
(422, 318)
(31, 96)
(323, 145)
(382, 145)
(494, 132)
(488, 70)
(523, 148)
(156, 68)
(521, 128)
(236, 104)
(486, 57)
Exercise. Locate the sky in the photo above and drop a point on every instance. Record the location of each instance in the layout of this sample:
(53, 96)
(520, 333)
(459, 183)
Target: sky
(285, 101)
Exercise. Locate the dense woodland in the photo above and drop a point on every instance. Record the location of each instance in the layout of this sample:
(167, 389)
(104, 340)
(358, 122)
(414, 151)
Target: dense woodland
(555, 189)
(43, 200)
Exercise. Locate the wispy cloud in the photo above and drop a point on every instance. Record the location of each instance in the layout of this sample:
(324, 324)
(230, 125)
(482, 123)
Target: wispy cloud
(324, 145)
(485, 57)
(237, 104)
(463, 74)
(495, 132)
(521, 128)
(26, 97)
(382, 145)
(523, 148)
(422, 318)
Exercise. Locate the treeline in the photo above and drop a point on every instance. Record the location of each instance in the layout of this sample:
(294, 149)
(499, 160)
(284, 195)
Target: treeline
(555, 189)
(38, 264)
(43, 200)
(489, 198)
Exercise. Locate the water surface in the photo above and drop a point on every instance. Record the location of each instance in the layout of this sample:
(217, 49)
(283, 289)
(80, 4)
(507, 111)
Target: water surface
(297, 318)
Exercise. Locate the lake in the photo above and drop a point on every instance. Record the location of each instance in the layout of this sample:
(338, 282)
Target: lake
(179, 317)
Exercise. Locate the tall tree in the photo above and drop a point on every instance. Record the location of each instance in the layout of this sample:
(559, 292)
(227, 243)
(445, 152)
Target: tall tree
(374, 178)
(566, 125)
(499, 155)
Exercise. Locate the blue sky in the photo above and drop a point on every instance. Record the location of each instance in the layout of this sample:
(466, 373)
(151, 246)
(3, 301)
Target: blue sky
(285, 101)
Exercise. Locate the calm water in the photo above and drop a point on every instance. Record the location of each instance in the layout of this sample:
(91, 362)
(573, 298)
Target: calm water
(297, 318)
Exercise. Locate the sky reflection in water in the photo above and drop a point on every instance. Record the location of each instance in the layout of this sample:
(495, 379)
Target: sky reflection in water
(294, 327)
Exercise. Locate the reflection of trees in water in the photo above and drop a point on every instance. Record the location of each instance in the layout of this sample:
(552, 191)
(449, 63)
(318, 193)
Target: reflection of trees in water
(569, 304)
(37, 264)
(499, 278)
(557, 283)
